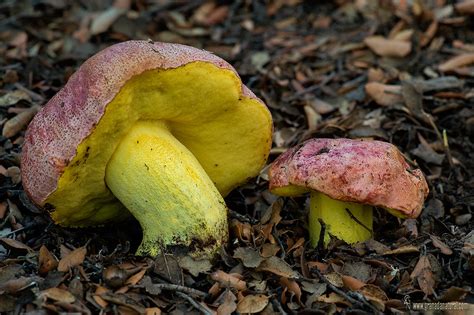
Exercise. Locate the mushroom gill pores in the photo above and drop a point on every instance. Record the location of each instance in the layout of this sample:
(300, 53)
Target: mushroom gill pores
(162, 131)
(346, 178)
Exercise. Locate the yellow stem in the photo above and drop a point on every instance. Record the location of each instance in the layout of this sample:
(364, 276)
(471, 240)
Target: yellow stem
(163, 185)
(347, 221)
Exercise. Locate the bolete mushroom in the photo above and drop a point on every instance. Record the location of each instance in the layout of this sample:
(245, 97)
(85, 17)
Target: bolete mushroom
(161, 130)
(345, 179)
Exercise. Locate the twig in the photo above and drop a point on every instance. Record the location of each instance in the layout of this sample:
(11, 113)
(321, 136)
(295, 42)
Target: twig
(277, 304)
(357, 299)
(353, 217)
(242, 218)
(175, 287)
(321, 236)
(201, 308)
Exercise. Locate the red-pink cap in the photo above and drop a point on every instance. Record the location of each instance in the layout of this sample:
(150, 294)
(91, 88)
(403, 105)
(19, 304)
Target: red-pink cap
(368, 172)
(72, 114)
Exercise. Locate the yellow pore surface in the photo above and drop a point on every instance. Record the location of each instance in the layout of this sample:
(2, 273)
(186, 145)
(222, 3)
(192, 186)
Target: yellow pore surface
(203, 107)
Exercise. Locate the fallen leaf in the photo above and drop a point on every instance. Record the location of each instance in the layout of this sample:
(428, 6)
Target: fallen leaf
(454, 294)
(465, 7)
(423, 275)
(14, 97)
(195, 266)
(100, 301)
(16, 124)
(292, 286)
(227, 304)
(279, 267)
(383, 94)
(408, 249)
(229, 280)
(73, 259)
(46, 261)
(457, 62)
(352, 283)
(333, 298)
(441, 245)
(249, 256)
(14, 244)
(152, 311)
(251, 304)
(57, 294)
(388, 47)
(105, 19)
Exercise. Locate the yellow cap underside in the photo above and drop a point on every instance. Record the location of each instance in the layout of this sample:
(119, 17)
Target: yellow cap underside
(203, 106)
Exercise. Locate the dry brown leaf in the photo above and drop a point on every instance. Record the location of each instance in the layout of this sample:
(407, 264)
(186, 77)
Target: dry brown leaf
(457, 62)
(388, 47)
(229, 280)
(58, 295)
(195, 266)
(152, 311)
(269, 250)
(352, 283)
(441, 245)
(14, 285)
(402, 250)
(323, 267)
(99, 291)
(252, 304)
(423, 275)
(133, 280)
(16, 124)
(14, 97)
(74, 258)
(228, 305)
(250, 257)
(465, 7)
(46, 261)
(292, 286)
(279, 267)
(383, 94)
(14, 244)
(332, 298)
(105, 19)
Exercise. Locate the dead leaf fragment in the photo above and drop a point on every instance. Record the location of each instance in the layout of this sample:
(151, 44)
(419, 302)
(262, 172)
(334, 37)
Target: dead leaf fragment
(152, 311)
(14, 97)
(402, 250)
(252, 304)
(195, 266)
(16, 124)
(73, 259)
(229, 280)
(228, 305)
(383, 94)
(441, 245)
(388, 47)
(352, 283)
(279, 267)
(454, 63)
(14, 244)
(46, 261)
(249, 257)
(105, 19)
(465, 7)
(58, 295)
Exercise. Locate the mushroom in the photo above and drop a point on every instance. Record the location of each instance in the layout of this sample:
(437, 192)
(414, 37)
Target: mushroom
(345, 179)
(162, 131)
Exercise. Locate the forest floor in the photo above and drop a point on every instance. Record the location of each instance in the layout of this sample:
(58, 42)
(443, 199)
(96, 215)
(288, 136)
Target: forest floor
(323, 69)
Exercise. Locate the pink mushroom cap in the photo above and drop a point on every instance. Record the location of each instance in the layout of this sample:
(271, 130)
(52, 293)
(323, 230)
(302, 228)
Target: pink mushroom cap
(369, 172)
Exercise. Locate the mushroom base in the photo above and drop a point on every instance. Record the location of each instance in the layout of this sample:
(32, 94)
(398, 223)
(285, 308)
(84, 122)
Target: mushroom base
(347, 221)
(165, 188)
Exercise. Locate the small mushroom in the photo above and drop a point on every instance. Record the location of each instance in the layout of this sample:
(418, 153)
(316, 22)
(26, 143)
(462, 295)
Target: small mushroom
(345, 179)
(162, 131)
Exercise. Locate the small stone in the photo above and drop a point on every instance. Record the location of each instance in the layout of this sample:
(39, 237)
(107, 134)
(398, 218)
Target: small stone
(463, 219)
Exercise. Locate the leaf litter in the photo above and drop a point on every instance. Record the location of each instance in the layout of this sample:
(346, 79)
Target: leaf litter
(398, 71)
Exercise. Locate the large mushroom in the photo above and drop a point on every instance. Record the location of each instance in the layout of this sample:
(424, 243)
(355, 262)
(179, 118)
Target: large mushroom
(346, 178)
(161, 130)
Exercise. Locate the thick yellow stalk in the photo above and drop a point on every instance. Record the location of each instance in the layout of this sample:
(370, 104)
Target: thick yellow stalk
(347, 221)
(166, 189)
